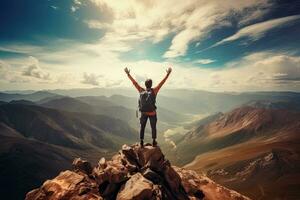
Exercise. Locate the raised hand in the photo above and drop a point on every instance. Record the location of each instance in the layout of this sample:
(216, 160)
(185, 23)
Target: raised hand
(169, 70)
(127, 71)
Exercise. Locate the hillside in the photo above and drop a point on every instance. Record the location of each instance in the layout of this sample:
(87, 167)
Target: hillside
(39, 142)
(253, 150)
(67, 129)
(134, 173)
(239, 125)
(35, 96)
(120, 107)
(92, 105)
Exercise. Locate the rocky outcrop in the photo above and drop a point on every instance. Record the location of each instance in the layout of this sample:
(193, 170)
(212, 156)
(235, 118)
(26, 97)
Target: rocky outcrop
(134, 173)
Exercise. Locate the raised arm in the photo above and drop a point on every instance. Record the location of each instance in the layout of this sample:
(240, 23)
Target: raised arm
(157, 88)
(136, 85)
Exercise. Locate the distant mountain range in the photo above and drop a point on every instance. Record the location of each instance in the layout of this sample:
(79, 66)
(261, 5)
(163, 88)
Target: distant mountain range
(35, 96)
(68, 129)
(180, 101)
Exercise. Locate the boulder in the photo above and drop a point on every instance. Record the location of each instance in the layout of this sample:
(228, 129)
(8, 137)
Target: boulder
(114, 171)
(198, 186)
(67, 185)
(102, 163)
(173, 179)
(137, 188)
(82, 165)
(152, 176)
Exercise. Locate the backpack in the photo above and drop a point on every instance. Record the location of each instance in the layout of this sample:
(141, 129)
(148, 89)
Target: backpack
(147, 101)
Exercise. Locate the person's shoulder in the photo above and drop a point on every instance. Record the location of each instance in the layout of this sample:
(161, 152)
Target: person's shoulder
(155, 90)
(141, 89)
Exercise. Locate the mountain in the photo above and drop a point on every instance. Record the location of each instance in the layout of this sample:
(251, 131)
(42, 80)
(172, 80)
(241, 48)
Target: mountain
(94, 92)
(74, 130)
(68, 104)
(38, 142)
(25, 164)
(165, 115)
(199, 101)
(92, 105)
(253, 150)
(36, 96)
(24, 102)
(234, 127)
(121, 107)
(134, 173)
(179, 101)
(286, 105)
(89, 104)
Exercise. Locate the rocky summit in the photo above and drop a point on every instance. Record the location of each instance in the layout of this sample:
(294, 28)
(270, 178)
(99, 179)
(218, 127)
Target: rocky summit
(134, 173)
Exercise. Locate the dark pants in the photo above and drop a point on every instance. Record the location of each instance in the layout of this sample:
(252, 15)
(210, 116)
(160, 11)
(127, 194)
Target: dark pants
(143, 122)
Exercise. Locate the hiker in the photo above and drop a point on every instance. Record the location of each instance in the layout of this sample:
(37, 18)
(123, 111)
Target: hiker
(147, 105)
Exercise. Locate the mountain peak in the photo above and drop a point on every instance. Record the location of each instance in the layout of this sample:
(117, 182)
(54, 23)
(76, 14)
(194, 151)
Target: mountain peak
(133, 173)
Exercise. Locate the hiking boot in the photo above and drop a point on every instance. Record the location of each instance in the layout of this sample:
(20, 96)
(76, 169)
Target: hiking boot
(154, 143)
(142, 143)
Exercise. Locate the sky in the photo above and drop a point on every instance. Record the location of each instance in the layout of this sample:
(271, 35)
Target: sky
(248, 45)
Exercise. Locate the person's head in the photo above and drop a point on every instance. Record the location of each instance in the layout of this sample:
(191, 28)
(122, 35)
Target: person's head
(148, 83)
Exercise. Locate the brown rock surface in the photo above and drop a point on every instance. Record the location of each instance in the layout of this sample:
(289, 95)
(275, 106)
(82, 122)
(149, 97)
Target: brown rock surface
(134, 173)
(67, 185)
(137, 187)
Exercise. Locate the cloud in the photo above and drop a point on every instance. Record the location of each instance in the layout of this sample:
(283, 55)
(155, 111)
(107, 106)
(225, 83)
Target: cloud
(113, 83)
(77, 2)
(54, 7)
(256, 31)
(3, 69)
(34, 70)
(260, 71)
(76, 5)
(135, 21)
(204, 61)
(7, 74)
(91, 79)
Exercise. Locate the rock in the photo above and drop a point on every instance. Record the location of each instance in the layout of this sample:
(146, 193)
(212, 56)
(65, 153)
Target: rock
(66, 185)
(114, 172)
(137, 188)
(82, 165)
(102, 163)
(173, 179)
(151, 157)
(134, 173)
(152, 176)
(198, 186)
(130, 154)
(109, 190)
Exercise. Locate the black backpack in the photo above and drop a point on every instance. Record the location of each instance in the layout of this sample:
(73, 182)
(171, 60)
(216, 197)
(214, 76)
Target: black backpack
(147, 101)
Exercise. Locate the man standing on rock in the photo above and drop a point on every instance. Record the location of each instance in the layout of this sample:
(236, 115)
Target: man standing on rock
(147, 105)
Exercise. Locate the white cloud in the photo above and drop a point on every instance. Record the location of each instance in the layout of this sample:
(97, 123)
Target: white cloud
(256, 31)
(9, 75)
(260, 71)
(83, 64)
(33, 69)
(91, 79)
(204, 61)
(138, 20)
(76, 5)
(77, 2)
(113, 83)
(54, 7)
(74, 8)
